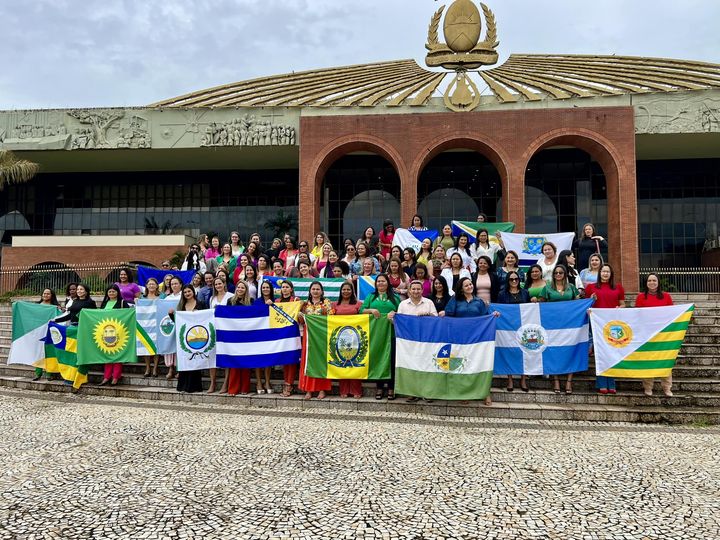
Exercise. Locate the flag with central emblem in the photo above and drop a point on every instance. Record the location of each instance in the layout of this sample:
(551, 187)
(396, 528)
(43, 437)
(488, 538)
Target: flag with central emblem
(106, 336)
(348, 347)
(639, 343)
(196, 339)
(444, 357)
(549, 338)
(529, 246)
(405, 238)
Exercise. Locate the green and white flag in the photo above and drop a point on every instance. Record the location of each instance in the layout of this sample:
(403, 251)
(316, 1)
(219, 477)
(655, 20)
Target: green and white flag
(196, 339)
(444, 357)
(29, 326)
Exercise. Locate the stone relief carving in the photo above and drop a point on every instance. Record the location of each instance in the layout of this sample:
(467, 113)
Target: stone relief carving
(679, 115)
(248, 131)
(110, 129)
(42, 130)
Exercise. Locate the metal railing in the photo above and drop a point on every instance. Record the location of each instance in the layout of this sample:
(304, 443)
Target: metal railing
(686, 280)
(24, 281)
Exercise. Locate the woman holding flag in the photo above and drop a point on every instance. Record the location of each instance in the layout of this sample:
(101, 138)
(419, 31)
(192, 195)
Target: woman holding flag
(466, 304)
(383, 302)
(265, 296)
(607, 294)
(238, 380)
(653, 296)
(316, 304)
(348, 304)
(287, 294)
(189, 381)
(113, 300)
(559, 289)
(514, 294)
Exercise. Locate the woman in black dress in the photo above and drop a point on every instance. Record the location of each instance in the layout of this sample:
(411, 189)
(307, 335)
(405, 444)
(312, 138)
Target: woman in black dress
(189, 381)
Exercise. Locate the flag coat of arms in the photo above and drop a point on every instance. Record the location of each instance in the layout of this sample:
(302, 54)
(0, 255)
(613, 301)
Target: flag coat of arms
(444, 357)
(256, 336)
(639, 343)
(547, 338)
(405, 238)
(196, 339)
(61, 354)
(106, 336)
(471, 228)
(29, 326)
(348, 347)
(331, 286)
(529, 246)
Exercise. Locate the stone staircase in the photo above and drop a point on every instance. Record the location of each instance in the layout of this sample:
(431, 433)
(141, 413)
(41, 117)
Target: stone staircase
(696, 387)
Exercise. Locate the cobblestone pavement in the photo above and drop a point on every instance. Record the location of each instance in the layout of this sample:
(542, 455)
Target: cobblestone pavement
(100, 469)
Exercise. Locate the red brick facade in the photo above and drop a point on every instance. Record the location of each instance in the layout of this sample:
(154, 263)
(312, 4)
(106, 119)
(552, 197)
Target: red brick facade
(508, 139)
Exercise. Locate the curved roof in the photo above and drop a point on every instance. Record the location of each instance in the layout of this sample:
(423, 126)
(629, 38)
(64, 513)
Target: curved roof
(523, 77)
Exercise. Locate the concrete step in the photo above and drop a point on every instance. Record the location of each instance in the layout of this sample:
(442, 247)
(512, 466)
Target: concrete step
(692, 349)
(500, 409)
(698, 360)
(581, 383)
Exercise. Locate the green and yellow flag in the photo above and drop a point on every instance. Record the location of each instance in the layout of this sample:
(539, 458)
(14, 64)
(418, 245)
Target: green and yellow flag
(61, 354)
(106, 337)
(348, 347)
(639, 343)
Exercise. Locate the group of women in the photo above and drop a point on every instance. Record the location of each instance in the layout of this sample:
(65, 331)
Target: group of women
(459, 276)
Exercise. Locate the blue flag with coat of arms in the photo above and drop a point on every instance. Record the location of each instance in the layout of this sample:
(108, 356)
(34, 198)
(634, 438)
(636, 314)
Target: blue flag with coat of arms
(546, 338)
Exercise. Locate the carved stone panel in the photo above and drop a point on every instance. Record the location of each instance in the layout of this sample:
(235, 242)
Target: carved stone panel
(681, 113)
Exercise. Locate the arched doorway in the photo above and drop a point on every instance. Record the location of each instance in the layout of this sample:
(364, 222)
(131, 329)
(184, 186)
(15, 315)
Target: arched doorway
(360, 190)
(564, 188)
(458, 185)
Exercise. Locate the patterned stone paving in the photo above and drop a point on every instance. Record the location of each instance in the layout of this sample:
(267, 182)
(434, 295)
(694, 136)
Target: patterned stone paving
(98, 468)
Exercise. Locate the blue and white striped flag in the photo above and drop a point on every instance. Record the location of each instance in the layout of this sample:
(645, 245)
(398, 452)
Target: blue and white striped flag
(542, 339)
(255, 336)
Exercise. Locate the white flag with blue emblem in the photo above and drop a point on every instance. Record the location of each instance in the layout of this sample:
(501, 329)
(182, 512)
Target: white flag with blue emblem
(529, 246)
(543, 338)
(405, 238)
(196, 339)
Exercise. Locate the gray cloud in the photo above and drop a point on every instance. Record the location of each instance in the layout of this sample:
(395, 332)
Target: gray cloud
(65, 53)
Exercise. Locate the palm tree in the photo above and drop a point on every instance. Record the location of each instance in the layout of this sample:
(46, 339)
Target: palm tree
(14, 170)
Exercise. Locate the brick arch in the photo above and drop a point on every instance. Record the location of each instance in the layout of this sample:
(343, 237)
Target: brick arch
(621, 191)
(487, 147)
(311, 181)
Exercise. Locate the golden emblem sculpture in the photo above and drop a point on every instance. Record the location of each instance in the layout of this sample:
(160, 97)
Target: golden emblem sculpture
(463, 49)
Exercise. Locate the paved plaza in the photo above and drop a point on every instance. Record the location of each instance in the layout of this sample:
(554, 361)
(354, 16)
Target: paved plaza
(80, 467)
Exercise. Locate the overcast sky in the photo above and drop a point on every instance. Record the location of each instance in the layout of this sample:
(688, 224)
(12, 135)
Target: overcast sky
(90, 53)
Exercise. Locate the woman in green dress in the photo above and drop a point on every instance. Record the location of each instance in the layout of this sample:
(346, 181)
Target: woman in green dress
(381, 303)
(559, 289)
(534, 282)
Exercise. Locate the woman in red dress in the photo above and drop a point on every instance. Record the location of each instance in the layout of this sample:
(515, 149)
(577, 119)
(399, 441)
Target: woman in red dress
(653, 296)
(347, 304)
(607, 294)
(316, 304)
